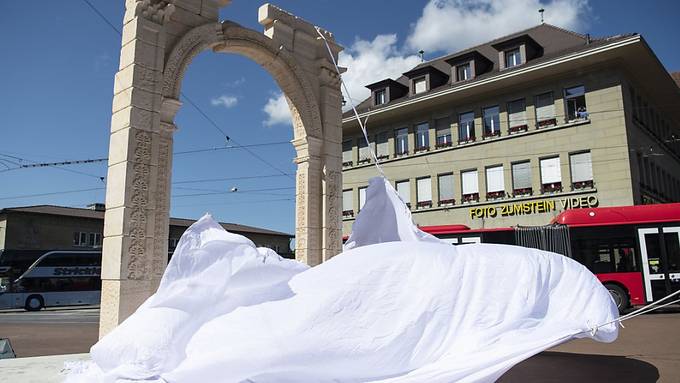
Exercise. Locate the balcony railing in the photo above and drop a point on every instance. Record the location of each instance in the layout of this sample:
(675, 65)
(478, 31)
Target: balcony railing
(446, 202)
(495, 195)
(423, 204)
(440, 145)
(546, 123)
(493, 134)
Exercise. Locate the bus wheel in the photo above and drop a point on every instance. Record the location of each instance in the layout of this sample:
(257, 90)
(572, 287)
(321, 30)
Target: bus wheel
(619, 295)
(34, 303)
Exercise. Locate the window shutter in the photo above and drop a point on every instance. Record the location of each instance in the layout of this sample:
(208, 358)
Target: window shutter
(517, 113)
(424, 189)
(347, 200)
(404, 190)
(382, 149)
(521, 175)
(470, 182)
(550, 170)
(362, 197)
(581, 167)
(545, 107)
(445, 187)
(494, 179)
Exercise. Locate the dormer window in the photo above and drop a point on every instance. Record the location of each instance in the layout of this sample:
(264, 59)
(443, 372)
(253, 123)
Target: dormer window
(380, 97)
(419, 85)
(513, 57)
(463, 72)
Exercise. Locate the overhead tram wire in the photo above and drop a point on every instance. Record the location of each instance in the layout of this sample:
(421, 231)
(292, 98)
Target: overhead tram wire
(22, 166)
(193, 104)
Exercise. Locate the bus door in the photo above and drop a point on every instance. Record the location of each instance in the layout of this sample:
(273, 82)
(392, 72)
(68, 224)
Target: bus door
(660, 253)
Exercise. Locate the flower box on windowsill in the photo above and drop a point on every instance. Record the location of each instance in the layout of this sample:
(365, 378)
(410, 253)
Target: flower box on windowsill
(488, 135)
(383, 157)
(347, 213)
(364, 161)
(552, 187)
(466, 140)
(495, 195)
(518, 128)
(446, 202)
(401, 154)
(347, 163)
(522, 192)
(471, 197)
(422, 149)
(443, 145)
(582, 185)
(424, 204)
(546, 123)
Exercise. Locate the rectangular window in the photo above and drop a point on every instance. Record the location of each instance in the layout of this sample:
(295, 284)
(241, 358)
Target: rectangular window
(581, 170)
(521, 178)
(443, 131)
(404, 191)
(401, 141)
(545, 110)
(347, 208)
(364, 151)
(382, 150)
(517, 116)
(466, 127)
(575, 99)
(495, 183)
(492, 126)
(551, 175)
(419, 85)
(513, 58)
(362, 197)
(380, 97)
(83, 239)
(347, 153)
(445, 183)
(463, 72)
(76, 238)
(423, 136)
(97, 239)
(470, 184)
(424, 192)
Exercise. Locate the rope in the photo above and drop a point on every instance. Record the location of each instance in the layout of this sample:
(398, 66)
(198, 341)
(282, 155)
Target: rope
(351, 102)
(643, 310)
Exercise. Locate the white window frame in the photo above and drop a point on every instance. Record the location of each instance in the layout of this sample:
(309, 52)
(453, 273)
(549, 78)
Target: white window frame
(424, 191)
(403, 188)
(469, 182)
(419, 85)
(495, 179)
(450, 196)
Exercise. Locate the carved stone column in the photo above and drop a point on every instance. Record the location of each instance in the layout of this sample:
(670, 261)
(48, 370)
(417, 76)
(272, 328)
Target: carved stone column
(308, 201)
(330, 101)
(136, 220)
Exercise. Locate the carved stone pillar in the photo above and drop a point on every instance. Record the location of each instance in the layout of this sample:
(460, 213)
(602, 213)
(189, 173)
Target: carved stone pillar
(308, 201)
(136, 220)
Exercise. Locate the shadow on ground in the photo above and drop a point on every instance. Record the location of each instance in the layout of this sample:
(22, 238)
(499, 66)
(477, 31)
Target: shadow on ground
(563, 367)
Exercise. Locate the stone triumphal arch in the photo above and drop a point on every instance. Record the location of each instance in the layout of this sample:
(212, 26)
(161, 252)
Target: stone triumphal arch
(160, 38)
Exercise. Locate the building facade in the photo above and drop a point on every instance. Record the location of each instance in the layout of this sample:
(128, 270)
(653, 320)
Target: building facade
(46, 227)
(514, 131)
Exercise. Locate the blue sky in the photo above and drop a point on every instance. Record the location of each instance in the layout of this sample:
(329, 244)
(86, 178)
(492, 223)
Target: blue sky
(59, 59)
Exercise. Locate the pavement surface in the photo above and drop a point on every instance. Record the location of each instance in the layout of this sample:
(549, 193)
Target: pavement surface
(647, 350)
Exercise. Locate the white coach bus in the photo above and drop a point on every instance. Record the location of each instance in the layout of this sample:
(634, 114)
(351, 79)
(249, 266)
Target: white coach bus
(56, 278)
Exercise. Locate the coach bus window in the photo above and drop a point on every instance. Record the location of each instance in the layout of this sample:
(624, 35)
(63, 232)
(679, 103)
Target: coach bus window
(672, 251)
(653, 253)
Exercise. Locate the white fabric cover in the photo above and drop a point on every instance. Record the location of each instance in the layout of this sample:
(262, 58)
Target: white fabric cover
(400, 306)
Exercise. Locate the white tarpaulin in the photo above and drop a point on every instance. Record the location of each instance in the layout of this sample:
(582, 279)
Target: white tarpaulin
(399, 306)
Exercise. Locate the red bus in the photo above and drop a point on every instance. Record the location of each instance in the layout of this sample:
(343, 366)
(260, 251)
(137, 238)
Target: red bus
(633, 250)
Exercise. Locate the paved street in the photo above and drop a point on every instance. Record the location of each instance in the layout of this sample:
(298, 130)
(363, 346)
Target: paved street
(648, 349)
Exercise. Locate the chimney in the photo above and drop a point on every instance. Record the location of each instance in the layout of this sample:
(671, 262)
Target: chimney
(97, 206)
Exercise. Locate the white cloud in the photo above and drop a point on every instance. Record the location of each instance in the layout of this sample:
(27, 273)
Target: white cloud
(451, 25)
(236, 83)
(371, 61)
(224, 100)
(277, 110)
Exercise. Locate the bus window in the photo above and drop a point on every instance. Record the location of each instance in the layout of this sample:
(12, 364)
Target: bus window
(624, 257)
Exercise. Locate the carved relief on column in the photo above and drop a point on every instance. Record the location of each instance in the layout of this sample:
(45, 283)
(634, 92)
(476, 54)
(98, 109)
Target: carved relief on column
(158, 11)
(137, 263)
(162, 206)
(333, 214)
